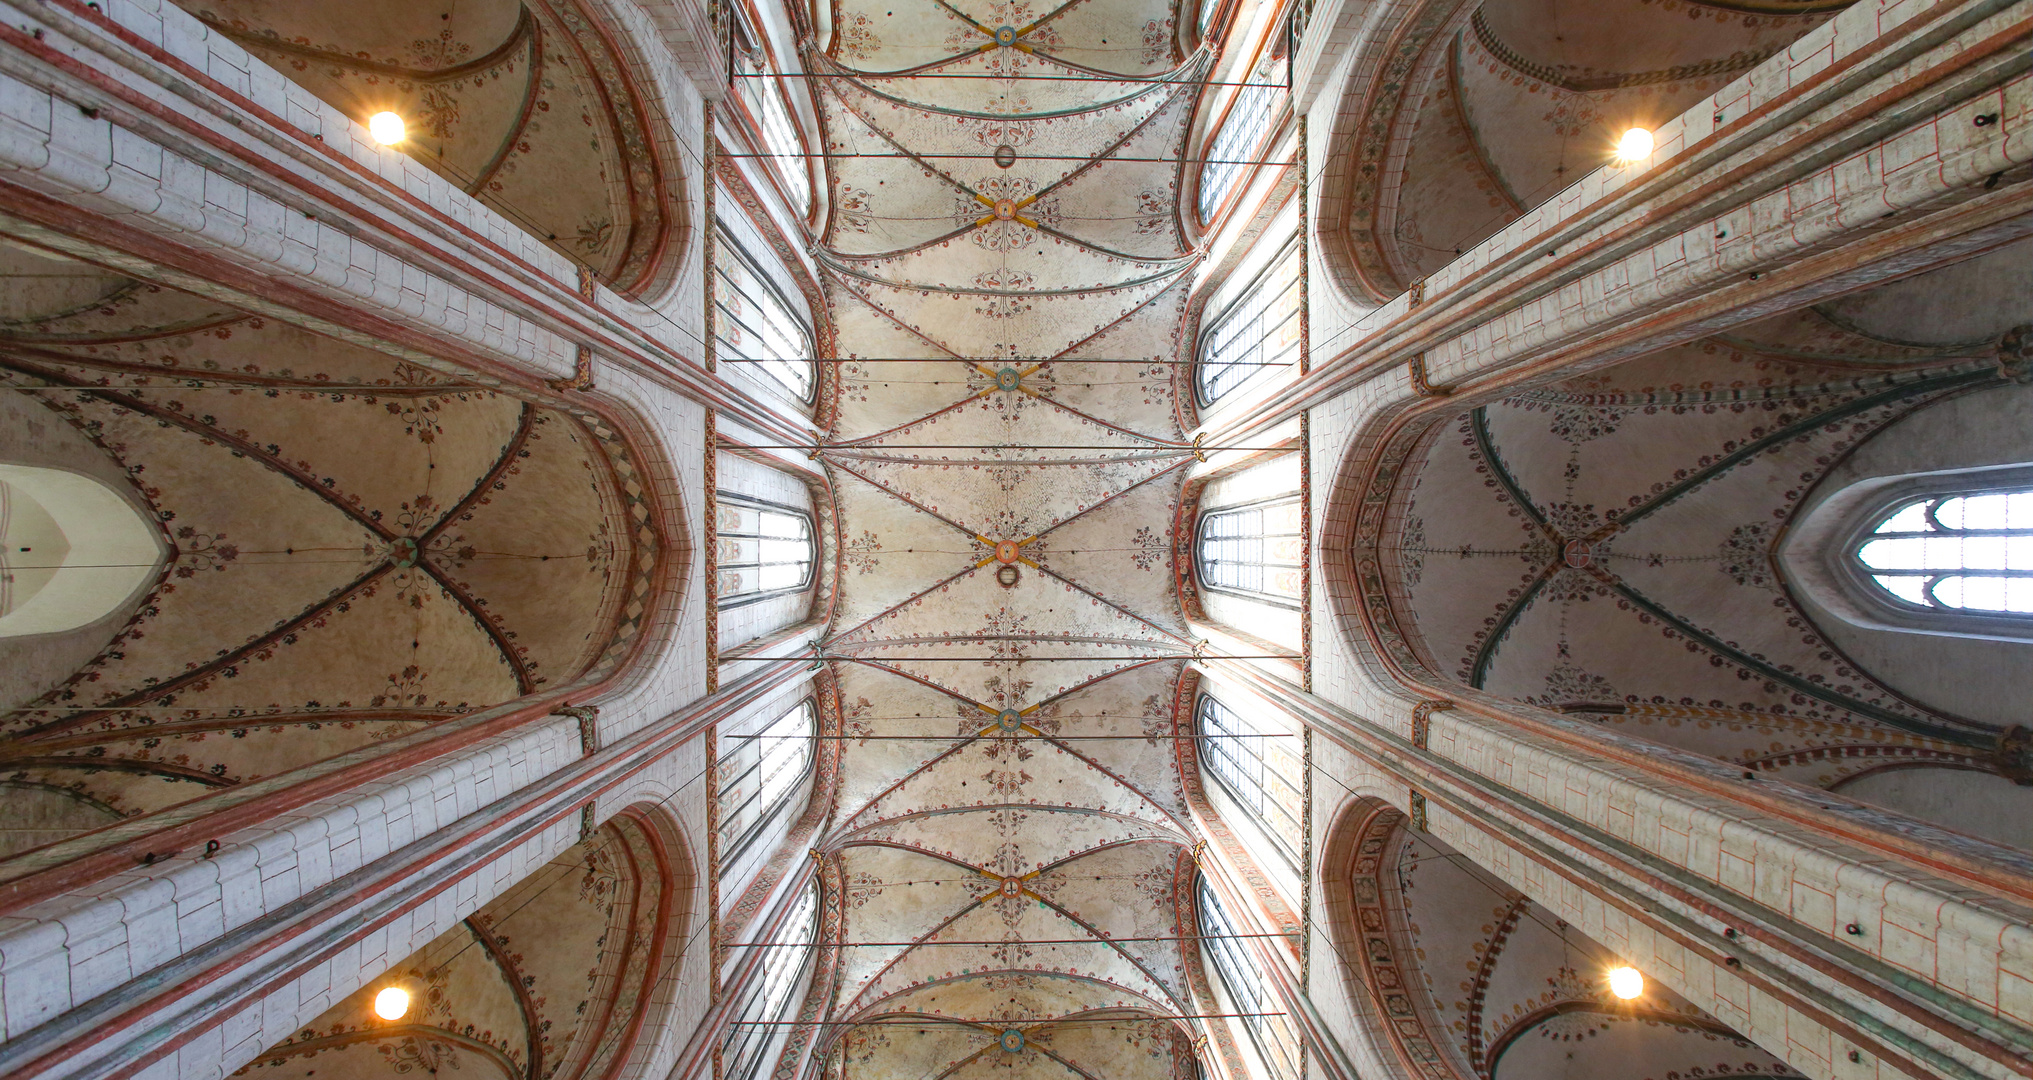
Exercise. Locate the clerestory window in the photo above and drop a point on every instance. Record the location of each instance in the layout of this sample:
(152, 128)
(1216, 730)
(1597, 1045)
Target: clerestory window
(72, 551)
(1254, 550)
(1260, 769)
(755, 326)
(764, 549)
(1241, 974)
(760, 89)
(1256, 333)
(760, 772)
(1253, 111)
(1970, 552)
(758, 1031)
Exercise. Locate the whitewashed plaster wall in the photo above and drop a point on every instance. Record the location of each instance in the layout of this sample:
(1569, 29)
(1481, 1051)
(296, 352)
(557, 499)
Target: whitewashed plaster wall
(511, 306)
(1794, 869)
(1979, 678)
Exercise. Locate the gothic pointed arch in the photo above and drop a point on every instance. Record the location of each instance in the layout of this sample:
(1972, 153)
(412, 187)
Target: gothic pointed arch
(356, 548)
(547, 112)
(1461, 977)
(1616, 547)
(1459, 117)
(566, 975)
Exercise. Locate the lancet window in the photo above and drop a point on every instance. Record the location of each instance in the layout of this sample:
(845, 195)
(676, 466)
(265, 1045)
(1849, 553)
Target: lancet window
(1260, 769)
(1254, 550)
(1256, 332)
(760, 772)
(1965, 552)
(1241, 974)
(760, 89)
(755, 326)
(1253, 111)
(758, 1029)
(765, 549)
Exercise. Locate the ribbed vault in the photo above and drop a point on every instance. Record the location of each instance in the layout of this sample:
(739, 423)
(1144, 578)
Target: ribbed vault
(355, 548)
(1011, 844)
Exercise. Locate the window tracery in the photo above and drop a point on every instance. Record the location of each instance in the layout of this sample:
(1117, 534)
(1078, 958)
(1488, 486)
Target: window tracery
(760, 89)
(1257, 332)
(786, 960)
(1260, 770)
(1261, 1013)
(1254, 550)
(1963, 552)
(1252, 113)
(759, 773)
(71, 550)
(765, 549)
(755, 324)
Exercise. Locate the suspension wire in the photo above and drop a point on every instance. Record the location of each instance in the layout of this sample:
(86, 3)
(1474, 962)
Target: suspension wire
(992, 733)
(1102, 159)
(1456, 857)
(865, 447)
(663, 804)
(285, 388)
(997, 1023)
(1154, 80)
(1006, 659)
(1154, 362)
(1097, 940)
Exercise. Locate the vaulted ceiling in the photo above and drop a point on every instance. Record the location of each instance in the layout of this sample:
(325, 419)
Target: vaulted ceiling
(554, 978)
(535, 109)
(356, 547)
(1484, 110)
(1012, 839)
(1482, 983)
(1610, 545)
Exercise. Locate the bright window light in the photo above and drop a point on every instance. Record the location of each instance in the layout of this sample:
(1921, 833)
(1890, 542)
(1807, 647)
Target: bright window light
(1635, 145)
(1969, 552)
(387, 128)
(392, 1003)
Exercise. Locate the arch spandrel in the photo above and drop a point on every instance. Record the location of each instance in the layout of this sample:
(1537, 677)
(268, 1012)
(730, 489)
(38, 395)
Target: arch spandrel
(1467, 115)
(551, 978)
(1478, 980)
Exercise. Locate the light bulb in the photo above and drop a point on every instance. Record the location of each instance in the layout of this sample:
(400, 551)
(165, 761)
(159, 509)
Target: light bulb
(387, 128)
(392, 1003)
(1625, 982)
(1635, 145)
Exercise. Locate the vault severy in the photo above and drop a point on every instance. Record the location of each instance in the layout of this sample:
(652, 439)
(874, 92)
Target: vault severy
(1010, 843)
